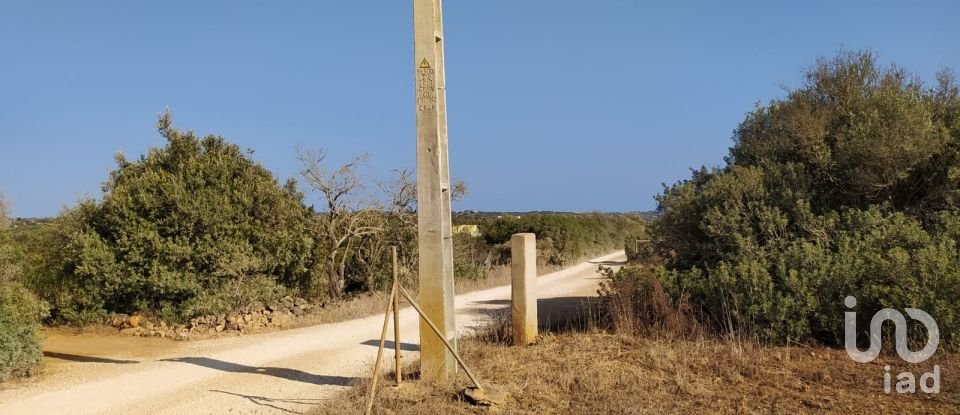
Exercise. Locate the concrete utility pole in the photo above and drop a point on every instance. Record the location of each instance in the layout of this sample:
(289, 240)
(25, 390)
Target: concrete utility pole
(433, 193)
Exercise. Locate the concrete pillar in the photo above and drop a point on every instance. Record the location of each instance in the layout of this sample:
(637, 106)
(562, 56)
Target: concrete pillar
(433, 194)
(523, 270)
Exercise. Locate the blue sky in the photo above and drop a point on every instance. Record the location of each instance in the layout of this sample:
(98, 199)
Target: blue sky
(553, 105)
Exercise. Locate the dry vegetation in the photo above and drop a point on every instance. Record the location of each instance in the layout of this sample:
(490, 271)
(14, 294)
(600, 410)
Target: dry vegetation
(599, 373)
(644, 356)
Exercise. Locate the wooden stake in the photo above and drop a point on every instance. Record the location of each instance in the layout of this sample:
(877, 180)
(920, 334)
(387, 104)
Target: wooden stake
(396, 320)
(383, 339)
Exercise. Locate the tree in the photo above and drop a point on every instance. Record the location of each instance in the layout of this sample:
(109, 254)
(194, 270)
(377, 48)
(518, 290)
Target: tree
(348, 216)
(178, 232)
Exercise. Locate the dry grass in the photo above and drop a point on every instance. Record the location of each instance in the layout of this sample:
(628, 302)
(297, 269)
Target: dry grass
(661, 362)
(599, 373)
(670, 368)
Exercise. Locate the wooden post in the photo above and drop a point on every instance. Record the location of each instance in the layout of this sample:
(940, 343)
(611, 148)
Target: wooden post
(433, 193)
(523, 270)
(383, 339)
(396, 321)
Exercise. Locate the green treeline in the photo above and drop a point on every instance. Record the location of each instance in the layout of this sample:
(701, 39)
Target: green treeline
(562, 238)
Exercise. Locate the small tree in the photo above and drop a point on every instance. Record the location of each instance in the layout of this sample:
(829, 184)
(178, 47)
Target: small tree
(348, 215)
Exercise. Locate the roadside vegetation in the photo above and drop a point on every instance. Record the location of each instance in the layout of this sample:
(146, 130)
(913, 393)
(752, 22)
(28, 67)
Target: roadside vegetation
(848, 186)
(599, 373)
(20, 312)
(198, 228)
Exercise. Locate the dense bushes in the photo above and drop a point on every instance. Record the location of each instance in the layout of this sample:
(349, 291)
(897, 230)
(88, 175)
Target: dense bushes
(197, 227)
(190, 228)
(20, 314)
(848, 186)
(562, 237)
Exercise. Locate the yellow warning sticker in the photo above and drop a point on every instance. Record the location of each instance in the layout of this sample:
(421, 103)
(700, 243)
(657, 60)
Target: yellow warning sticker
(424, 64)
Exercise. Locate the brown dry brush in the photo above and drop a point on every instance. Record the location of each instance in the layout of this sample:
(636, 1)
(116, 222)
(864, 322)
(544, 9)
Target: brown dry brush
(634, 302)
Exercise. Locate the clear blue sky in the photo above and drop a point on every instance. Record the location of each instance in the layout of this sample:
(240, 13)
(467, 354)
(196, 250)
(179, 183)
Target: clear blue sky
(559, 105)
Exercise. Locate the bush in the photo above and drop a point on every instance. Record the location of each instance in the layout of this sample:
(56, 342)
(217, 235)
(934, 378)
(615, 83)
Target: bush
(563, 238)
(20, 314)
(635, 302)
(848, 186)
(20, 342)
(179, 232)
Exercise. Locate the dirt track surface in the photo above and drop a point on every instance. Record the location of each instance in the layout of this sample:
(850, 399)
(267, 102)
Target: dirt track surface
(274, 373)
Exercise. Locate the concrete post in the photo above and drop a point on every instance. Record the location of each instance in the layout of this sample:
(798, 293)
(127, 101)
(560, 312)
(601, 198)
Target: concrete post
(523, 270)
(433, 194)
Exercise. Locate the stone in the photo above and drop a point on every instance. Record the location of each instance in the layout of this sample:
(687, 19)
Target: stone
(118, 320)
(129, 331)
(280, 319)
(489, 396)
(220, 327)
(133, 321)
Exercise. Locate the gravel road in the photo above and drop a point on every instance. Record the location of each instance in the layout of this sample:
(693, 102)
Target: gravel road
(273, 373)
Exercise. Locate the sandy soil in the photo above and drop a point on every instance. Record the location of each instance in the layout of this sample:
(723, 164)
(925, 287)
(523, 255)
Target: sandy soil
(281, 372)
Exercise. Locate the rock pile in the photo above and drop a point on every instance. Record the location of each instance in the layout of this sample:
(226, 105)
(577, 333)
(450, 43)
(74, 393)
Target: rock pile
(256, 316)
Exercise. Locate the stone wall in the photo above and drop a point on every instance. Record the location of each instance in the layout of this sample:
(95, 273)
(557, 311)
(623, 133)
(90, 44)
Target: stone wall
(254, 317)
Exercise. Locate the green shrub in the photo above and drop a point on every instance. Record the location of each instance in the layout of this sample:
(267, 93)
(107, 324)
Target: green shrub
(20, 343)
(179, 232)
(20, 313)
(848, 186)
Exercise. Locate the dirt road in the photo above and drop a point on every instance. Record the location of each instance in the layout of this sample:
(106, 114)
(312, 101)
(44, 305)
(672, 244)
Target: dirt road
(281, 372)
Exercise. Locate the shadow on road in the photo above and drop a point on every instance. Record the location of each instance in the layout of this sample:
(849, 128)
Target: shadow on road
(87, 359)
(280, 372)
(554, 315)
(609, 263)
(273, 402)
(407, 347)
